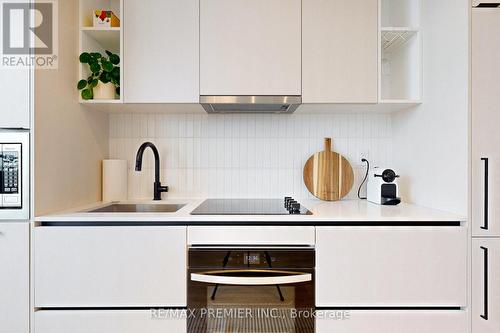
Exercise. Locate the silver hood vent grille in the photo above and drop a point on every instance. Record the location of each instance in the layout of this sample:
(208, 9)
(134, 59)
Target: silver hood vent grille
(250, 104)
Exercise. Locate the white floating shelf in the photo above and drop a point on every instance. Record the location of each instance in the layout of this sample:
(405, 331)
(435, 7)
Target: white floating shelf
(100, 29)
(400, 101)
(108, 38)
(100, 101)
(394, 37)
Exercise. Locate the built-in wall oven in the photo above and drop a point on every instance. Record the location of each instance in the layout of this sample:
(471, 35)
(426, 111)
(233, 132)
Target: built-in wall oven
(14, 175)
(251, 289)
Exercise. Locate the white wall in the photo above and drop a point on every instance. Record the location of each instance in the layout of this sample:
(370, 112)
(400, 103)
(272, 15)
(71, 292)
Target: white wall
(70, 140)
(242, 155)
(431, 141)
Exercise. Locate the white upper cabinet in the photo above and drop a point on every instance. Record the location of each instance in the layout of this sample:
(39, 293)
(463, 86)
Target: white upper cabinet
(340, 51)
(161, 51)
(15, 100)
(14, 86)
(485, 118)
(250, 47)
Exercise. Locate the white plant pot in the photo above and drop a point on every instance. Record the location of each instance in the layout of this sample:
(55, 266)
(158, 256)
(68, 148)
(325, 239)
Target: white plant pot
(104, 91)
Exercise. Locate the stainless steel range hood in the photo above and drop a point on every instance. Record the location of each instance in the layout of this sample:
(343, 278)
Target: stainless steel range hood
(250, 104)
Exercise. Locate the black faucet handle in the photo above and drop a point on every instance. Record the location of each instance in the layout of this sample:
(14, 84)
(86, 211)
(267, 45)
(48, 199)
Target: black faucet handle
(158, 190)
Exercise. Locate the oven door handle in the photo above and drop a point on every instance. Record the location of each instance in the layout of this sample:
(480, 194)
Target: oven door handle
(222, 277)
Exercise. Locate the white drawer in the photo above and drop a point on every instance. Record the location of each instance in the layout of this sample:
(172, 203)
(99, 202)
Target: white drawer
(391, 266)
(251, 235)
(109, 266)
(400, 321)
(106, 321)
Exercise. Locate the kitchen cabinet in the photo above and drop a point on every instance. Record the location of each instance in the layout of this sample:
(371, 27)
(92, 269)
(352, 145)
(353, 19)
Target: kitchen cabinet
(15, 88)
(109, 321)
(161, 51)
(251, 235)
(340, 51)
(122, 266)
(391, 266)
(14, 277)
(392, 321)
(15, 101)
(477, 2)
(485, 119)
(485, 285)
(250, 47)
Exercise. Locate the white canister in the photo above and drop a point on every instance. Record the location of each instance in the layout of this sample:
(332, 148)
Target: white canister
(114, 180)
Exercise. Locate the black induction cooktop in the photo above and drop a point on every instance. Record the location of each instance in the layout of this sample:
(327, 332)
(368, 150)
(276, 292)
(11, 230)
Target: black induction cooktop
(288, 206)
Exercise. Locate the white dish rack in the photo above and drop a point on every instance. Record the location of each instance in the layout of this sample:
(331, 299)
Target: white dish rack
(392, 38)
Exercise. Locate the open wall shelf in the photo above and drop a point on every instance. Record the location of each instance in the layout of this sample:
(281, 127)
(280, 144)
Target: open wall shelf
(99, 39)
(400, 52)
(392, 38)
(400, 13)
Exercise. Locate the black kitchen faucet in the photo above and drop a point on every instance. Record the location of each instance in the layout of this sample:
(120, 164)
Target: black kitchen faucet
(157, 188)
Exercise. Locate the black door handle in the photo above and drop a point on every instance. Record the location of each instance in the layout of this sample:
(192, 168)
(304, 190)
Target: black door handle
(485, 299)
(486, 193)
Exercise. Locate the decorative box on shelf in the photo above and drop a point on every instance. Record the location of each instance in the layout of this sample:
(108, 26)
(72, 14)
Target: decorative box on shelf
(105, 19)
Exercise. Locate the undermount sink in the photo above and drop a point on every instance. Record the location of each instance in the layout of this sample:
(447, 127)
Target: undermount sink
(138, 208)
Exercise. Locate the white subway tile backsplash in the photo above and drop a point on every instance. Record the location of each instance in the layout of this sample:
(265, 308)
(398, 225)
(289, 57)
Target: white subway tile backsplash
(243, 155)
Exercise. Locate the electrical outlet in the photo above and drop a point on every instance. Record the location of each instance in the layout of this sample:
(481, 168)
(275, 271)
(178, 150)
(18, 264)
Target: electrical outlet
(363, 154)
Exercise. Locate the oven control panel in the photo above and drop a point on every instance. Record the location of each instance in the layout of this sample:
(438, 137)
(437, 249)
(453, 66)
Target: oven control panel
(10, 175)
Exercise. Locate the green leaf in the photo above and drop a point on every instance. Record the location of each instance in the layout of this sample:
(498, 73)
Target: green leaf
(118, 91)
(96, 55)
(105, 77)
(87, 94)
(93, 61)
(109, 53)
(85, 58)
(93, 83)
(115, 73)
(115, 59)
(107, 66)
(81, 84)
(95, 68)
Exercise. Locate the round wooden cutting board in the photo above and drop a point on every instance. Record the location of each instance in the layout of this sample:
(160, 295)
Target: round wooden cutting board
(328, 175)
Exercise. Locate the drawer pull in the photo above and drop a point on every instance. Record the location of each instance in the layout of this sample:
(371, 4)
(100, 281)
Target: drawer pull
(251, 277)
(485, 299)
(486, 192)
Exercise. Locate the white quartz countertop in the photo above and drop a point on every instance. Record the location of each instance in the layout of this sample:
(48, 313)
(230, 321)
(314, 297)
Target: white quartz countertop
(322, 212)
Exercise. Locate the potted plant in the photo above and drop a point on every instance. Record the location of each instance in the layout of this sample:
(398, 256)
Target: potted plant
(104, 80)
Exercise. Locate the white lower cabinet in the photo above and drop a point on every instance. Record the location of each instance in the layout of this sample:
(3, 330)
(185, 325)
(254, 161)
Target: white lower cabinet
(108, 321)
(400, 321)
(14, 277)
(251, 235)
(485, 285)
(123, 266)
(391, 266)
